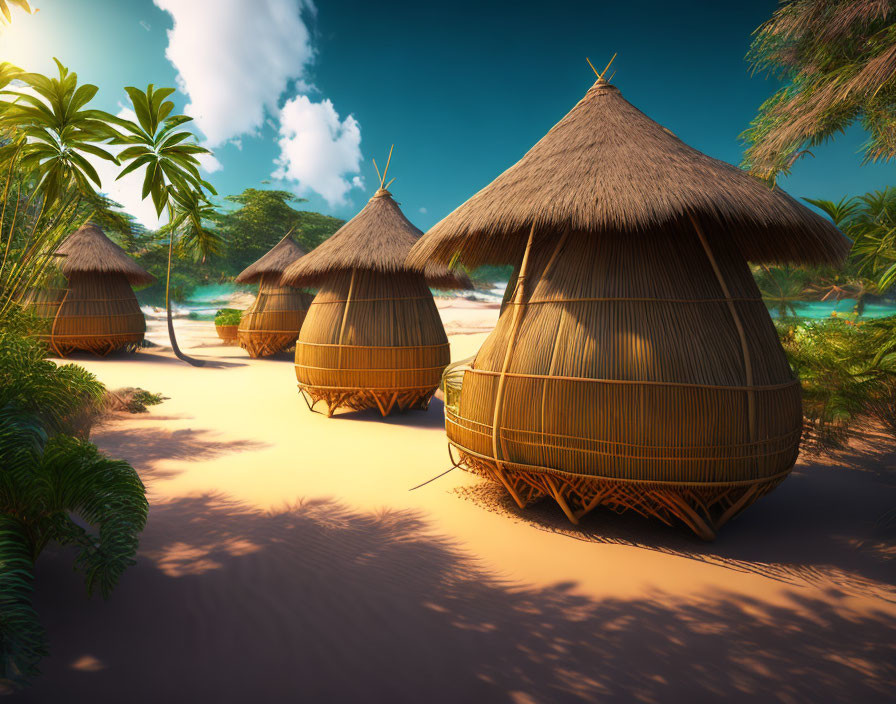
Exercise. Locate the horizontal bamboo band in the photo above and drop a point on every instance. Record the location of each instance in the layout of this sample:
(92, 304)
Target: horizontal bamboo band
(69, 301)
(373, 347)
(367, 369)
(645, 458)
(78, 336)
(267, 331)
(786, 437)
(766, 387)
(625, 480)
(638, 300)
(316, 302)
(310, 387)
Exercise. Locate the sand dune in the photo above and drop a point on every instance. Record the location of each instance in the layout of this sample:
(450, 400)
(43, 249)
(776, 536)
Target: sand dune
(285, 559)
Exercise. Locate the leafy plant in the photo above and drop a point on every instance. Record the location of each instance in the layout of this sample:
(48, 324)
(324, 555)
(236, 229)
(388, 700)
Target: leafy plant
(228, 316)
(837, 59)
(47, 477)
(46, 480)
(47, 178)
(783, 288)
(848, 375)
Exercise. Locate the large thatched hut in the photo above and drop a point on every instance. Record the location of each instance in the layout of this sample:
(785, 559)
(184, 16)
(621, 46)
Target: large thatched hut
(273, 321)
(88, 302)
(372, 337)
(635, 365)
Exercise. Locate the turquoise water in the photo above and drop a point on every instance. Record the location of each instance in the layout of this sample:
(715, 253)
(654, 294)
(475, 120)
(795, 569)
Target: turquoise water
(823, 309)
(206, 300)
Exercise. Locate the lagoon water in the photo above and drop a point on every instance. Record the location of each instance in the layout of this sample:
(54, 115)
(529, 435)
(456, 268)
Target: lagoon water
(206, 300)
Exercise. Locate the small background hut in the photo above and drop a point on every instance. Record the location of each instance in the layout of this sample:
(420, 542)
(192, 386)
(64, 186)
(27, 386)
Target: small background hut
(91, 306)
(373, 337)
(635, 364)
(273, 321)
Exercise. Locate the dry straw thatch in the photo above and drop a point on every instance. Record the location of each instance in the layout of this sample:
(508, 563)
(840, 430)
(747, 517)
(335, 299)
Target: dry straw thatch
(372, 337)
(635, 366)
(91, 306)
(273, 321)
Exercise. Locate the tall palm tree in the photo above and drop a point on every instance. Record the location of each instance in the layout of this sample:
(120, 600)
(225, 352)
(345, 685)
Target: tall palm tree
(48, 133)
(171, 172)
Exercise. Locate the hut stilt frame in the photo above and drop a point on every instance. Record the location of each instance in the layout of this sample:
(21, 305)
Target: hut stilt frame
(702, 507)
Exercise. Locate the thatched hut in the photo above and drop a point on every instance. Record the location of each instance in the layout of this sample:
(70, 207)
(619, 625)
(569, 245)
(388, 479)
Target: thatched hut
(92, 306)
(372, 337)
(273, 321)
(635, 365)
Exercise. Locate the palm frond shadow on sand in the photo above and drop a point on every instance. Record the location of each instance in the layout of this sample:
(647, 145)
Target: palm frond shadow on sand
(320, 602)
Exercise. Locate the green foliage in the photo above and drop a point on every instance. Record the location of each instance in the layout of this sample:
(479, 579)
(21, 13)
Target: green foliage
(62, 398)
(47, 477)
(262, 219)
(848, 375)
(489, 274)
(838, 61)
(45, 178)
(870, 222)
(782, 288)
(139, 400)
(228, 316)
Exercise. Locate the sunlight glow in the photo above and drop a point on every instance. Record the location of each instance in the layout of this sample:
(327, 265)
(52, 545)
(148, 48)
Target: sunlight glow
(31, 41)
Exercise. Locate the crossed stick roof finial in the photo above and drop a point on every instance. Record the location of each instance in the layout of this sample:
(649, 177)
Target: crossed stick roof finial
(600, 76)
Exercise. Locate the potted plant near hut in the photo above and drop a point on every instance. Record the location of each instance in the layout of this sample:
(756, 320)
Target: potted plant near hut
(227, 323)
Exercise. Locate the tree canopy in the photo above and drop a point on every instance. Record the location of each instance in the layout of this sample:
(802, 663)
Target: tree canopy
(262, 219)
(837, 59)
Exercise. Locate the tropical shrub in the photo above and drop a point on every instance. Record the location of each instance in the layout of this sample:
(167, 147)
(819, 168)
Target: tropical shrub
(848, 374)
(49, 474)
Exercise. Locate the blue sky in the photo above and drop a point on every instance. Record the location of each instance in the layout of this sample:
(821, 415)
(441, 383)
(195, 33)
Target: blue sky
(303, 95)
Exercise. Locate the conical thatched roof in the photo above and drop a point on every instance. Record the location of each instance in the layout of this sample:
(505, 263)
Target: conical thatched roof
(606, 166)
(280, 256)
(88, 250)
(376, 239)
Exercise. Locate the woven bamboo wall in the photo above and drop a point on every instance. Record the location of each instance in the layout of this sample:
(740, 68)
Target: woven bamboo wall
(628, 365)
(273, 321)
(44, 301)
(99, 313)
(372, 340)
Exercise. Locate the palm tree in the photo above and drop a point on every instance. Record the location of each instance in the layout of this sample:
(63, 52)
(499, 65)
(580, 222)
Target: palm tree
(171, 172)
(783, 288)
(837, 59)
(49, 133)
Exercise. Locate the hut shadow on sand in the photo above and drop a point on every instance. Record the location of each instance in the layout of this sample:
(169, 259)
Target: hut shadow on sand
(320, 602)
(830, 522)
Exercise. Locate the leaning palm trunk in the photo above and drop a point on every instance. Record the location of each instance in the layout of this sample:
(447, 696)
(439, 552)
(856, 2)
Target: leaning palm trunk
(174, 346)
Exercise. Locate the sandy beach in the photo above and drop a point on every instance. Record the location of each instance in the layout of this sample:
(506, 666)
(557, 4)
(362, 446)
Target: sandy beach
(287, 559)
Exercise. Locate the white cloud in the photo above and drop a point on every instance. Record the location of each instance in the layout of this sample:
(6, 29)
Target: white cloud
(318, 151)
(236, 58)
